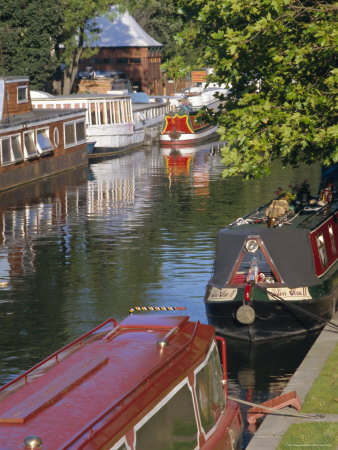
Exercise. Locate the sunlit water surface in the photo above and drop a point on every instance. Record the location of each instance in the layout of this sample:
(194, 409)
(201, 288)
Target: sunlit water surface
(137, 229)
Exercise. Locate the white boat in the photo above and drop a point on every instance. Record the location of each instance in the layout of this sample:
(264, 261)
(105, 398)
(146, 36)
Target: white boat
(113, 121)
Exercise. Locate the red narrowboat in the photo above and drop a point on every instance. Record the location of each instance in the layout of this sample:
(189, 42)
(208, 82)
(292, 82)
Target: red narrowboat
(147, 382)
(275, 272)
(182, 127)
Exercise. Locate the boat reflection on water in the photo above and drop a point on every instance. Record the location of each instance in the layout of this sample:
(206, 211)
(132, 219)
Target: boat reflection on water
(191, 162)
(262, 369)
(39, 205)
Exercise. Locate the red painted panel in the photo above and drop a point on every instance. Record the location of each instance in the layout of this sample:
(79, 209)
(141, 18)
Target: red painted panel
(331, 256)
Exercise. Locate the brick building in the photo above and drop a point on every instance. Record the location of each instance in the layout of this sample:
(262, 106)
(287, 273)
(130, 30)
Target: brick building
(125, 51)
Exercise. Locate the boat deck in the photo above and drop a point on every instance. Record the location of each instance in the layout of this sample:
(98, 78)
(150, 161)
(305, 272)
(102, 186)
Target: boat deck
(106, 377)
(308, 216)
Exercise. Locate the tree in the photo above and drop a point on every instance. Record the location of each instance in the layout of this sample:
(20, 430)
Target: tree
(176, 69)
(278, 57)
(28, 34)
(161, 20)
(79, 33)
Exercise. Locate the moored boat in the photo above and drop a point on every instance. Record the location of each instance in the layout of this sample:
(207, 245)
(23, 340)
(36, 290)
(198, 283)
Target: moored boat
(146, 382)
(36, 144)
(275, 271)
(182, 127)
(114, 121)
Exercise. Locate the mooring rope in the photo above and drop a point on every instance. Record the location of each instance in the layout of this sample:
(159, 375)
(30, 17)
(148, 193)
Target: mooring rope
(279, 411)
(297, 308)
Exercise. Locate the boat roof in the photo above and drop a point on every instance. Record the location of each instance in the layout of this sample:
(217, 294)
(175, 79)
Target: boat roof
(41, 96)
(288, 244)
(38, 115)
(110, 376)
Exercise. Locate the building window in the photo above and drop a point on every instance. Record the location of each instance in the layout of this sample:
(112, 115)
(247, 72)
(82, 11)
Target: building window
(170, 426)
(75, 133)
(322, 250)
(30, 150)
(135, 60)
(11, 150)
(122, 60)
(44, 144)
(22, 94)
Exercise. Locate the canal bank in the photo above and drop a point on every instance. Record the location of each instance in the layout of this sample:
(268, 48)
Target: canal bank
(274, 426)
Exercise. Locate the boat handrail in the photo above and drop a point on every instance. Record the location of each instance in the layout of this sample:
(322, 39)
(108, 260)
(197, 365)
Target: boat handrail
(120, 402)
(56, 354)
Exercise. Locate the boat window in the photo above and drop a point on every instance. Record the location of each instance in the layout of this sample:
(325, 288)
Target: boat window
(69, 134)
(43, 143)
(332, 240)
(172, 427)
(254, 267)
(117, 113)
(11, 150)
(16, 147)
(122, 447)
(56, 137)
(108, 112)
(135, 60)
(6, 152)
(22, 94)
(30, 149)
(80, 131)
(209, 390)
(122, 60)
(75, 133)
(322, 250)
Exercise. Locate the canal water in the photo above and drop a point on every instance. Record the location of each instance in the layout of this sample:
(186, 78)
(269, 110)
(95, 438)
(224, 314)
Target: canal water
(131, 230)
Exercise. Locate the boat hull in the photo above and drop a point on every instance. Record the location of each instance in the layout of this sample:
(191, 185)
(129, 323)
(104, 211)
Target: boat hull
(273, 318)
(43, 167)
(188, 138)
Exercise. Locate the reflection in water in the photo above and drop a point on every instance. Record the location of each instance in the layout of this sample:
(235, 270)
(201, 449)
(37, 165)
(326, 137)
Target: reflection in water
(259, 371)
(138, 229)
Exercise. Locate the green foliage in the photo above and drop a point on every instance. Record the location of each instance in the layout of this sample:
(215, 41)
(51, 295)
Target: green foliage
(278, 57)
(162, 21)
(176, 69)
(79, 34)
(28, 34)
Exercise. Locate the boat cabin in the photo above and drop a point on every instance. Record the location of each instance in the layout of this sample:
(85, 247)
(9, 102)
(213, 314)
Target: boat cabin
(146, 382)
(35, 144)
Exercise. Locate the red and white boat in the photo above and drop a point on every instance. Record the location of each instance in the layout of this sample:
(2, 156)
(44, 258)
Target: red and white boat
(148, 382)
(182, 127)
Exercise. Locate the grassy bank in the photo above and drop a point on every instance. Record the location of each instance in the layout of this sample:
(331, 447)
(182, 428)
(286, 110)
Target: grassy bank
(322, 398)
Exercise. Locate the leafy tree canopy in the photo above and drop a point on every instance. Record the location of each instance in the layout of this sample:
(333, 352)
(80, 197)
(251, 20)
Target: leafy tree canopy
(28, 33)
(79, 34)
(278, 57)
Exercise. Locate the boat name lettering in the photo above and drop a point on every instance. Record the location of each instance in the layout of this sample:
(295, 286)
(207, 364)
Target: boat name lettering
(301, 293)
(222, 294)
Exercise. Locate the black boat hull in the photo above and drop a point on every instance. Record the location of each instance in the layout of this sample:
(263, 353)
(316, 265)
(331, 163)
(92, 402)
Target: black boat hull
(273, 319)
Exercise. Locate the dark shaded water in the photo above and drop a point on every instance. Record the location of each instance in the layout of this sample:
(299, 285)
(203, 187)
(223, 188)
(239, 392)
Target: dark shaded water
(138, 229)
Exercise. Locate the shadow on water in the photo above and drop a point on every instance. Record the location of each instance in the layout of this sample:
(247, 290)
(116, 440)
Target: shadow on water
(259, 371)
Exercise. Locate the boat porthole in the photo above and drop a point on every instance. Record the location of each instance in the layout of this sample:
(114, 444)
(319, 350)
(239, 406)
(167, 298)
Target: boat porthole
(56, 137)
